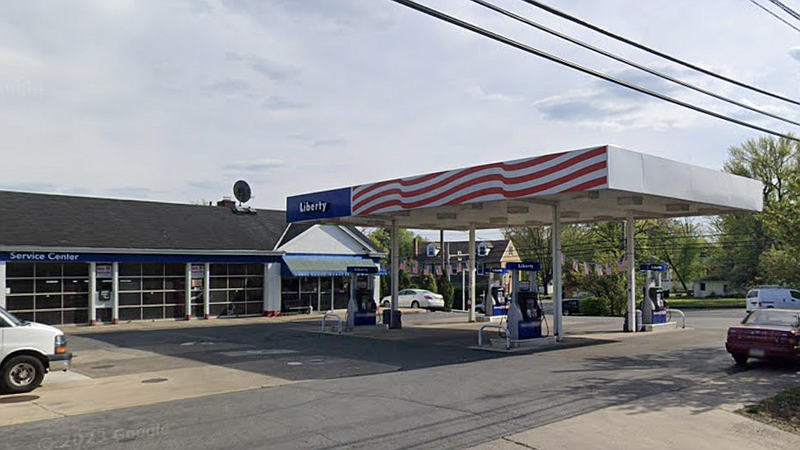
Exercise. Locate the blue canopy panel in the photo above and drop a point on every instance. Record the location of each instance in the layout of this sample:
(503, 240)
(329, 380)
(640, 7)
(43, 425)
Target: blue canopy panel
(324, 265)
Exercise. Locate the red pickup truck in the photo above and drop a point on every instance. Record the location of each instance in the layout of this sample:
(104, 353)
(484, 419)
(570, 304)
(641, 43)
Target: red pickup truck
(766, 333)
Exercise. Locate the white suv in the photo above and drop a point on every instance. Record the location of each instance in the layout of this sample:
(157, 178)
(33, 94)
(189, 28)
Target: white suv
(772, 297)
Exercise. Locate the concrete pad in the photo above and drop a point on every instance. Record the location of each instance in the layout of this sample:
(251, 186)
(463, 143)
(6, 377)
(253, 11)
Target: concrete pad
(63, 377)
(24, 411)
(105, 394)
(696, 418)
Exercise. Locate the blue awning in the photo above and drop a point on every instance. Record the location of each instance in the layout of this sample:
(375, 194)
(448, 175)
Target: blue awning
(324, 265)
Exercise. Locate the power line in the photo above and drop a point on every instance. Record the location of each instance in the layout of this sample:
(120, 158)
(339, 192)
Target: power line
(774, 15)
(788, 10)
(653, 51)
(628, 62)
(526, 48)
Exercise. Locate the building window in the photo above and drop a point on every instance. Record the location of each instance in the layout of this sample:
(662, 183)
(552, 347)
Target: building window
(52, 293)
(702, 286)
(238, 288)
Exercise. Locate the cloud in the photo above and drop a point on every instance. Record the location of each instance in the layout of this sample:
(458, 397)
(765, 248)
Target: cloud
(281, 104)
(229, 87)
(794, 52)
(134, 192)
(477, 93)
(583, 106)
(328, 143)
(257, 165)
(272, 70)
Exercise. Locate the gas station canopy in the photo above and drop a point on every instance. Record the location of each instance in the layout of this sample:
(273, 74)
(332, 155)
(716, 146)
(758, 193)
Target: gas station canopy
(597, 184)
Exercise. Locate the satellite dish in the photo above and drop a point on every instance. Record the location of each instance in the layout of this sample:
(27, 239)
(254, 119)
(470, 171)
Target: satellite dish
(242, 192)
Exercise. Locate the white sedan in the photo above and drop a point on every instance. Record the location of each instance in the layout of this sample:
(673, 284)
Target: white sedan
(415, 298)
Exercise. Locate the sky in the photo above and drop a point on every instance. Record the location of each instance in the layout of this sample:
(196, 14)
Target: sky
(175, 101)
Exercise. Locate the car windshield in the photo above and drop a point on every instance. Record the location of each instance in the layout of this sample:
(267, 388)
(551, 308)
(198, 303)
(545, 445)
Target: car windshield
(9, 317)
(773, 318)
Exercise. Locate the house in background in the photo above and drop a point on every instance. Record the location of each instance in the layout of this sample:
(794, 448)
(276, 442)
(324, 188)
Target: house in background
(710, 287)
(493, 254)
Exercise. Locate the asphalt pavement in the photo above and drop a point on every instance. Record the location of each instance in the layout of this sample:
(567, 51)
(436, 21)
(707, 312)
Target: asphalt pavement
(421, 388)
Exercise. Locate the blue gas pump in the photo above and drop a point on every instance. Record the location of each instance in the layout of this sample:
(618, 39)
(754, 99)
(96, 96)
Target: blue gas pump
(362, 309)
(525, 315)
(654, 309)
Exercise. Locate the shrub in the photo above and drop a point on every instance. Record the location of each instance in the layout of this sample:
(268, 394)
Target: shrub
(446, 289)
(595, 306)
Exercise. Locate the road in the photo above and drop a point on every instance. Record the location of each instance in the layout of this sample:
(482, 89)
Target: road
(388, 393)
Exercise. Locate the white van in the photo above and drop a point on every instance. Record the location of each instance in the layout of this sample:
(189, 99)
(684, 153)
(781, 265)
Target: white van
(27, 351)
(773, 297)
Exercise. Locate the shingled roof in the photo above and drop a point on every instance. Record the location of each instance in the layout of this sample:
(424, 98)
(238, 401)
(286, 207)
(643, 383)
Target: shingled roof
(44, 220)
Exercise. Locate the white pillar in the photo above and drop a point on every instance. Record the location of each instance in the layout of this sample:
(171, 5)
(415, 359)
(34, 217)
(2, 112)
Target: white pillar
(92, 293)
(631, 267)
(3, 284)
(207, 291)
(376, 289)
(188, 291)
(395, 270)
(272, 289)
(115, 292)
(472, 272)
(558, 329)
(319, 294)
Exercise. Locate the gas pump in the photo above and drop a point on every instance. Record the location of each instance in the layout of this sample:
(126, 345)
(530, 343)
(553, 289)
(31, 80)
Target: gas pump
(362, 309)
(653, 307)
(525, 315)
(496, 301)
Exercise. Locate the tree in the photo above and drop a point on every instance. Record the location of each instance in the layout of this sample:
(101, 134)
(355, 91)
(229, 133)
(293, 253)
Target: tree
(676, 242)
(446, 289)
(381, 237)
(745, 239)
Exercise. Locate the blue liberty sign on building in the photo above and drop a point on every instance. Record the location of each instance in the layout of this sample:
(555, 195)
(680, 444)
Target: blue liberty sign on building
(319, 205)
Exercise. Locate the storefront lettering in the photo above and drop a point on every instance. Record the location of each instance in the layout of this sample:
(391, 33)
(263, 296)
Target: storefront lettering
(313, 207)
(43, 257)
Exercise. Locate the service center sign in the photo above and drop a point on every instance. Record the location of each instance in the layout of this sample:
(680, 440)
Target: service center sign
(33, 257)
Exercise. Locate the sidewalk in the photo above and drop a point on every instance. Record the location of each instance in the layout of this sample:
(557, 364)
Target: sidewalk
(701, 417)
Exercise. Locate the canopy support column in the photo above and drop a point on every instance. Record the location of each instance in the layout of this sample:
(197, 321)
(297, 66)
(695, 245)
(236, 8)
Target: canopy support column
(631, 269)
(395, 275)
(472, 272)
(557, 291)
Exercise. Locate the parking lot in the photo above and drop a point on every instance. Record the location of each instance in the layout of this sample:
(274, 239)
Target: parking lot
(273, 372)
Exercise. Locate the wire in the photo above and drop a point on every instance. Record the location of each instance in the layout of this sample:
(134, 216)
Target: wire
(526, 48)
(788, 10)
(653, 51)
(628, 62)
(774, 15)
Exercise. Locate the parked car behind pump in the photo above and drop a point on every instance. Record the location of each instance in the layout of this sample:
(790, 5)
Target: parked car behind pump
(415, 298)
(765, 333)
(27, 351)
(773, 297)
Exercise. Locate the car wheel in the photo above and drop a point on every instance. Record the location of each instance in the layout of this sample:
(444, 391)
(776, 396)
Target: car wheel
(387, 304)
(415, 304)
(741, 359)
(21, 374)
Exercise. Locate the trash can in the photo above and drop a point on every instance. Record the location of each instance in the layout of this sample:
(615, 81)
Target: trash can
(387, 319)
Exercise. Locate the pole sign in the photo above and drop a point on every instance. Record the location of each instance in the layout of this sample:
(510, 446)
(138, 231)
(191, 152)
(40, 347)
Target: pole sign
(529, 266)
(362, 269)
(496, 270)
(654, 267)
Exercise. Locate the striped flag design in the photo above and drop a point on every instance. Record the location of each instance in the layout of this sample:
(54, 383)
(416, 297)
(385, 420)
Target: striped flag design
(574, 171)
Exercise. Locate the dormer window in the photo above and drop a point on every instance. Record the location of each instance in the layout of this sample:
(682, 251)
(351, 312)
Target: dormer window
(431, 250)
(483, 249)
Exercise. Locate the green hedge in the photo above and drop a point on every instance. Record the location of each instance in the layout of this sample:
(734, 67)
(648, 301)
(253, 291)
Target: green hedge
(595, 306)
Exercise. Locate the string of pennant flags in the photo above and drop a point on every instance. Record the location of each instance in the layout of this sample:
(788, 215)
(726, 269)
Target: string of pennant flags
(586, 267)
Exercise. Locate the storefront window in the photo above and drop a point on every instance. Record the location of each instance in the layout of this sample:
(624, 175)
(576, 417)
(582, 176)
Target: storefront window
(52, 293)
